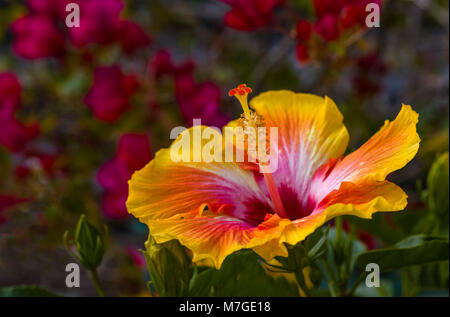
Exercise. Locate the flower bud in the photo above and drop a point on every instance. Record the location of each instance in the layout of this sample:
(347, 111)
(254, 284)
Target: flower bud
(168, 266)
(89, 244)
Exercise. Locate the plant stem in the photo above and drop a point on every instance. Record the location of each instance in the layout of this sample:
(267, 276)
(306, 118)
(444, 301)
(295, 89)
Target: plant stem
(97, 284)
(355, 286)
(332, 279)
(338, 227)
(300, 277)
(301, 281)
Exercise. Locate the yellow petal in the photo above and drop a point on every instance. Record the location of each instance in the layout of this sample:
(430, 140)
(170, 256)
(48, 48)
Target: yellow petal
(210, 238)
(269, 241)
(364, 198)
(164, 188)
(391, 148)
(310, 131)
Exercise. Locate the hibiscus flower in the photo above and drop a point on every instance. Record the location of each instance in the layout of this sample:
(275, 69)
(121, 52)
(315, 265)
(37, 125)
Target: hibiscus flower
(217, 208)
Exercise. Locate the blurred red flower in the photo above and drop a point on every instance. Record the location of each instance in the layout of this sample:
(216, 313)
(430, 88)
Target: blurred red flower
(10, 95)
(100, 23)
(302, 53)
(303, 34)
(132, 36)
(161, 64)
(369, 240)
(366, 238)
(327, 27)
(47, 161)
(14, 135)
(109, 95)
(37, 36)
(333, 17)
(334, 7)
(21, 171)
(368, 79)
(303, 30)
(198, 101)
(336, 15)
(133, 153)
(55, 8)
(203, 104)
(7, 201)
(113, 177)
(136, 256)
(183, 75)
(249, 15)
(354, 13)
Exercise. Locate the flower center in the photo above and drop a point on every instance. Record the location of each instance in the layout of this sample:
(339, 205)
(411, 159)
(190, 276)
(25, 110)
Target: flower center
(254, 120)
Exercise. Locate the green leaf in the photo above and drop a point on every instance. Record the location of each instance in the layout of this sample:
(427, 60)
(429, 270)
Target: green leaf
(378, 226)
(25, 291)
(438, 185)
(241, 274)
(414, 250)
(316, 244)
(340, 259)
(429, 277)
